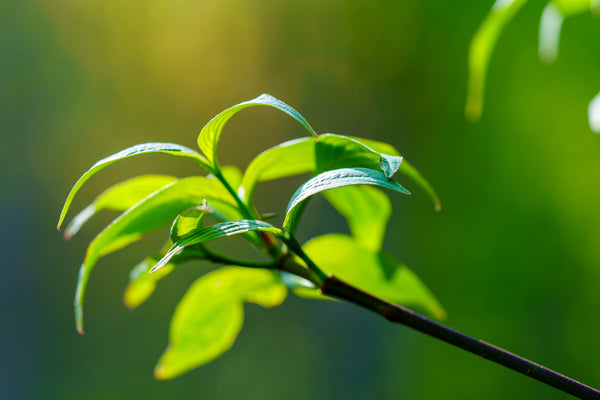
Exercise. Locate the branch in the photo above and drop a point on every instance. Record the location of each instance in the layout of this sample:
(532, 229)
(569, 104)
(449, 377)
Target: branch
(336, 288)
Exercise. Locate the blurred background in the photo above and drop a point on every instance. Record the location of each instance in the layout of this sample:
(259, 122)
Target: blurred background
(514, 255)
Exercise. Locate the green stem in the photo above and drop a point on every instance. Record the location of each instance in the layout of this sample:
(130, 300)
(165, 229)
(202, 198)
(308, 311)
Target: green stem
(221, 259)
(316, 275)
(336, 288)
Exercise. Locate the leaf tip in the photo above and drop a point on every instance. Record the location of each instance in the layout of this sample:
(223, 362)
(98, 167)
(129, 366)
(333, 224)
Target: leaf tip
(438, 207)
(473, 111)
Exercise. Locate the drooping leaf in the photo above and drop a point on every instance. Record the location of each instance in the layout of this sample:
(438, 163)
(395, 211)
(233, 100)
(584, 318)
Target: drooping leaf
(551, 23)
(375, 272)
(145, 148)
(334, 179)
(210, 133)
(405, 169)
(594, 114)
(153, 212)
(290, 158)
(209, 317)
(337, 151)
(142, 284)
(480, 52)
(367, 211)
(215, 232)
(331, 151)
(119, 197)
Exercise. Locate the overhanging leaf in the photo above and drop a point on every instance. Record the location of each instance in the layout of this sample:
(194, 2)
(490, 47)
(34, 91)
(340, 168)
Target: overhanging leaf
(210, 133)
(151, 213)
(119, 197)
(480, 52)
(334, 179)
(209, 317)
(375, 272)
(215, 232)
(145, 148)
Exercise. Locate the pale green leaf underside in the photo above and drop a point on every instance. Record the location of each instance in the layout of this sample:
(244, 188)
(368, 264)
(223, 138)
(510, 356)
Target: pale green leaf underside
(334, 179)
(373, 271)
(367, 211)
(153, 212)
(210, 133)
(188, 221)
(209, 317)
(119, 197)
(215, 232)
(551, 24)
(594, 114)
(145, 148)
(480, 52)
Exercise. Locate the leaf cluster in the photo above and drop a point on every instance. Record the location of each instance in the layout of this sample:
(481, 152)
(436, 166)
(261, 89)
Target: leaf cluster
(350, 172)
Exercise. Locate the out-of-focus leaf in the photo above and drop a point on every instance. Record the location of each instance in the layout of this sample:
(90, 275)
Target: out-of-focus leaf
(215, 232)
(405, 168)
(551, 23)
(145, 148)
(119, 197)
(375, 272)
(480, 52)
(142, 284)
(334, 179)
(594, 114)
(210, 133)
(290, 158)
(367, 211)
(209, 317)
(153, 212)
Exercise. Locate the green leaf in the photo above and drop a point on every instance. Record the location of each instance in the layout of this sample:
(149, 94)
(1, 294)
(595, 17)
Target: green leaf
(188, 221)
(290, 158)
(367, 211)
(480, 52)
(215, 232)
(209, 317)
(119, 197)
(375, 272)
(551, 24)
(142, 284)
(167, 148)
(210, 133)
(337, 151)
(153, 212)
(405, 168)
(334, 179)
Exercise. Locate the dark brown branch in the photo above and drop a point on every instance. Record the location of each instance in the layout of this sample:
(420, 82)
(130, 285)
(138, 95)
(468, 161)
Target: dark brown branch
(336, 288)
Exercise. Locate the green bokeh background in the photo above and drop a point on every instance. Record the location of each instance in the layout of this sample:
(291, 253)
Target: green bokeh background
(514, 255)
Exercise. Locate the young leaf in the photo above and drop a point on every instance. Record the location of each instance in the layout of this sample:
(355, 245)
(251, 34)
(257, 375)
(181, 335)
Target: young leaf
(151, 213)
(142, 284)
(290, 158)
(215, 232)
(367, 211)
(167, 148)
(188, 221)
(119, 197)
(209, 317)
(373, 271)
(480, 52)
(210, 133)
(334, 179)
